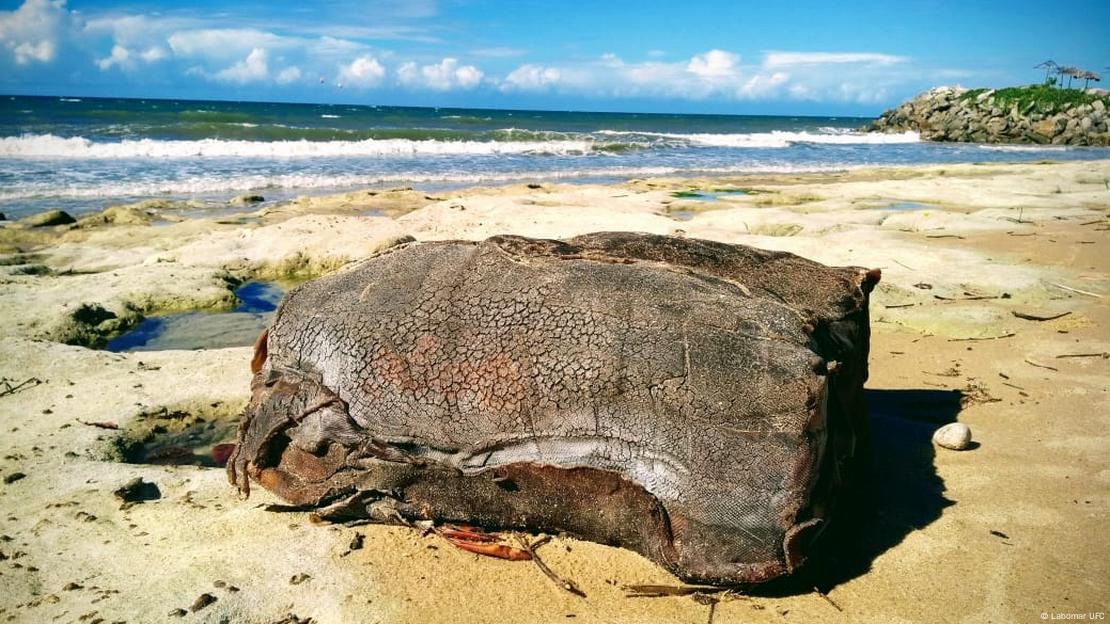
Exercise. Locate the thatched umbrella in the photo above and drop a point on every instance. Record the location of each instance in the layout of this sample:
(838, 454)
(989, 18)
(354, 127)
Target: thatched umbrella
(1088, 76)
(1049, 67)
(1071, 71)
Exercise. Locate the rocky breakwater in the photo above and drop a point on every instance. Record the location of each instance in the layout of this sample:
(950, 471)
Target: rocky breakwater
(1038, 115)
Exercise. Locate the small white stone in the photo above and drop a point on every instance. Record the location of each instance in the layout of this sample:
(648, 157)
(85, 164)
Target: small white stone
(955, 436)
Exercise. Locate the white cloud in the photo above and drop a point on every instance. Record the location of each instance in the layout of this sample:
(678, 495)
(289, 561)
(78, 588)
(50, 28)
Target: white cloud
(531, 77)
(714, 72)
(288, 75)
(125, 58)
(119, 57)
(43, 52)
(254, 68)
(153, 54)
(443, 76)
(365, 71)
(762, 84)
(714, 65)
(856, 77)
(30, 33)
(792, 59)
(227, 43)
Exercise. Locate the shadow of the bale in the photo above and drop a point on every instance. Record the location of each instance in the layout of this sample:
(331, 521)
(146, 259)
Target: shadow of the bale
(902, 494)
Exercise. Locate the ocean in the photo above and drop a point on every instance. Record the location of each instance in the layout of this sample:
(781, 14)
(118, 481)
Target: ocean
(84, 154)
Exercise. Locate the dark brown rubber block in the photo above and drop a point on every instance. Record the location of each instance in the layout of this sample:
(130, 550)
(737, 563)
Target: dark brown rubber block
(697, 402)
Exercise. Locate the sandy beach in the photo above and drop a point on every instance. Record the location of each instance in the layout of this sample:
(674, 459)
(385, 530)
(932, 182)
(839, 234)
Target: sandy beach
(993, 311)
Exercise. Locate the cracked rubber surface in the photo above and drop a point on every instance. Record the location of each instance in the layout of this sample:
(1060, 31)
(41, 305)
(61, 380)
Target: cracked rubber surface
(698, 402)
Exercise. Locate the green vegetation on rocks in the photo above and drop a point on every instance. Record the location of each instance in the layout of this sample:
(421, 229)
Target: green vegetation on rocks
(1043, 97)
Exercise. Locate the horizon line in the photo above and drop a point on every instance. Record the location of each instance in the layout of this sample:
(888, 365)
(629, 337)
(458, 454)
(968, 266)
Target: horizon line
(488, 108)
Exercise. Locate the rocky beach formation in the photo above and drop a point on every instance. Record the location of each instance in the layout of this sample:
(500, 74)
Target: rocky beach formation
(1035, 115)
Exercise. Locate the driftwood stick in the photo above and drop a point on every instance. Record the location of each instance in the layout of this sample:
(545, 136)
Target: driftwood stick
(659, 591)
(1076, 290)
(1010, 335)
(1083, 355)
(30, 381)
(548, 572)
(99, 424)
(1032, 363)
(1037, 317)
(827, 599)
(972, 298)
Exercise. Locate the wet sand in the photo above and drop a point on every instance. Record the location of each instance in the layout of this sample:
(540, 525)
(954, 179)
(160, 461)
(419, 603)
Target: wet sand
(1004, 532)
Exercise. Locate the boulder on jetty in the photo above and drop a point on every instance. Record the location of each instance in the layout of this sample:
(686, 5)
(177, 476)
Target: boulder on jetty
(1033, 115)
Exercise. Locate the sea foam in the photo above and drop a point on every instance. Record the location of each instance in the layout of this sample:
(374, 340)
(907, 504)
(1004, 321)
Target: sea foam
(777, 138)
(214, 185)
(52, 146)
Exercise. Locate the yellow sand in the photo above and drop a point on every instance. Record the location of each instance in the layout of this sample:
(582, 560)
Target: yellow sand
(1039, 479)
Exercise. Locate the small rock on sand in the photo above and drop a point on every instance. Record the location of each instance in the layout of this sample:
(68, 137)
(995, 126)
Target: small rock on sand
(955, 436)
(202, 601)
(136, 491)
(248, 199)
(13, 477)
(356, 542)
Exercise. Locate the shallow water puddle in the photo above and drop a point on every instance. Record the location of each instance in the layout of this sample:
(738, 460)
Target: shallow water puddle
(707, 196)
(681, 214)
(206, 330)
(907, 205)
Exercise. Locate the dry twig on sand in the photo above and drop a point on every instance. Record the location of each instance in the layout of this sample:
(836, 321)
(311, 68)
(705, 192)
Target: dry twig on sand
(1076, 290)
(827, 599)
(1009, 335)
(971, 297)
(659, 591)
(548, 572)
(99, 424)
(30, 382)
(1032, 363)
(1038, 317)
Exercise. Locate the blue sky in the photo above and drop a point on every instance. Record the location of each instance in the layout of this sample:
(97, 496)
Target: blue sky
(720, 56)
